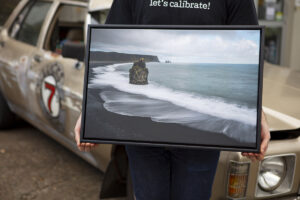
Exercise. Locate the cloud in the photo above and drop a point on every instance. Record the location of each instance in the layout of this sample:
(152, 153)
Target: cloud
(209, 46)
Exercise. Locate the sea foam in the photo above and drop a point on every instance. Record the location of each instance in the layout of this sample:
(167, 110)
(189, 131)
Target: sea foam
(110, 76)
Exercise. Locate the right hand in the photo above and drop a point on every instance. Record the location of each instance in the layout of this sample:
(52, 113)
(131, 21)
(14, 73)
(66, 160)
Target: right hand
(82, 146)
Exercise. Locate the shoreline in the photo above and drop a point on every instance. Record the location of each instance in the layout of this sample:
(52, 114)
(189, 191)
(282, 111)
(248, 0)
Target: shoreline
(117, 126)
(120, 127)
(196, 101)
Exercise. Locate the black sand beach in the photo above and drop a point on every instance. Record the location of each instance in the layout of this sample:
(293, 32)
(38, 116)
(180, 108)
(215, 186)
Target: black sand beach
(109, 127)
(105, 125)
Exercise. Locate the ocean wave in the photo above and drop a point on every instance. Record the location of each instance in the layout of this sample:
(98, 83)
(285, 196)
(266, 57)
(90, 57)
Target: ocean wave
(110, 76)
(136, 105)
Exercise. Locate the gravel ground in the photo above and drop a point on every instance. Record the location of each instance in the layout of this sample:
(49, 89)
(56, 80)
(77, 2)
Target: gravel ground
(33, 166)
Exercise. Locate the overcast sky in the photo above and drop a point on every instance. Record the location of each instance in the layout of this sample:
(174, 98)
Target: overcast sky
(197, 46)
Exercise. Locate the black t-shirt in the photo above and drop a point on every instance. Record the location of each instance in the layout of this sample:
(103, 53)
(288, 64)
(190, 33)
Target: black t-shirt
(183, 12)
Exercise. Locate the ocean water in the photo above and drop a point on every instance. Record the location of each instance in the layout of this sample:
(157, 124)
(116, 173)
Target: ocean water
(219, 98)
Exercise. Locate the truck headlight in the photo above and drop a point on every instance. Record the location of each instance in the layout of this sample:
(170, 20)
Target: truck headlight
(272, 173)
(276, 175)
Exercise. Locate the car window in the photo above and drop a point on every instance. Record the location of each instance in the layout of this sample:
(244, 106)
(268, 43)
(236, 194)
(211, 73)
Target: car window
(28, 25)
(99, 17)
(67, 26)
(16, 25)
(6, 9)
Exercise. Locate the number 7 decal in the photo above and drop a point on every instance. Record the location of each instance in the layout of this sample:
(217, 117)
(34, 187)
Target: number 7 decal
(52, 90)
(50, 96)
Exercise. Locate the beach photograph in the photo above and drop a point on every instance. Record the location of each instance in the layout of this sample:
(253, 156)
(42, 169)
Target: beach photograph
(181, 87)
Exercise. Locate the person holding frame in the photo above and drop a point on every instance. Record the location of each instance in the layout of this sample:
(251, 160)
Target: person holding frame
(176, 173)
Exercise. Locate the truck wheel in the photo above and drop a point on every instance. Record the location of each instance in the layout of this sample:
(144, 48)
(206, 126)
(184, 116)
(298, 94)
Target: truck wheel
(7, 118)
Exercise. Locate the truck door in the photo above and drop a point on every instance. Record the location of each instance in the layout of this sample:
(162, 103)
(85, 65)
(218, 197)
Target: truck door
(60, 74)
(17, 46)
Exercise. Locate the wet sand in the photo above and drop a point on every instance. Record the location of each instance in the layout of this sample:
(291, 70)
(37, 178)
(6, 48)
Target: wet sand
(105, 125)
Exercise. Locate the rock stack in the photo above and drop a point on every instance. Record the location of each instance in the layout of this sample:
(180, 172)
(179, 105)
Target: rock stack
(138, 74)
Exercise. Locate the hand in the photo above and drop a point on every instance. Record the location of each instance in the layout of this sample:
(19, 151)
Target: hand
(82, 146)
(265, 138)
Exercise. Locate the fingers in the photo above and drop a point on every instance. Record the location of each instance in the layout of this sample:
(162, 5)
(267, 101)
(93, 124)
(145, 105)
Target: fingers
(246, 155)
(87, 147)
(253, 156)
(80, 147)
(94, 145)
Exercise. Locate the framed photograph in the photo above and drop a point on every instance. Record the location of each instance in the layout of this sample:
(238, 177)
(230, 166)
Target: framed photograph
(174, 86)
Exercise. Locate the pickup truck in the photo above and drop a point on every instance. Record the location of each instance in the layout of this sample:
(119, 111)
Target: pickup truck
(41, 81)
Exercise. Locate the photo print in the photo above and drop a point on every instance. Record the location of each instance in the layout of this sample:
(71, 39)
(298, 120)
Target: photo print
(197, 87)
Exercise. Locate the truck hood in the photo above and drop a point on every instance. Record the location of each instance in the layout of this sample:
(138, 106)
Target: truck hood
(281, 97)
(96, 5)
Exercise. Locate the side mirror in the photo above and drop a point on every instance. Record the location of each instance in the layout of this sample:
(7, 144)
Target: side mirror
(74, 50)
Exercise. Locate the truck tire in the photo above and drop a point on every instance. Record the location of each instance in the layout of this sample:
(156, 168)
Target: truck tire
(7, 117)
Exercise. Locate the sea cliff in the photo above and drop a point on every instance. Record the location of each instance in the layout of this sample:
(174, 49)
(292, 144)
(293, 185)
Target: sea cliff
(100, 56)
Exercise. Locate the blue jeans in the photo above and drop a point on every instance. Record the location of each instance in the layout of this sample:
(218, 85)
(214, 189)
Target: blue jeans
(172, 173)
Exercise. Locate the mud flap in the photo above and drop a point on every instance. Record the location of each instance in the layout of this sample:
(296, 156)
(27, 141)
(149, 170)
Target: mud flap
(115, 177)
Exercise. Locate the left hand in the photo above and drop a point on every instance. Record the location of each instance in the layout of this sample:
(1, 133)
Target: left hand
(265, 138)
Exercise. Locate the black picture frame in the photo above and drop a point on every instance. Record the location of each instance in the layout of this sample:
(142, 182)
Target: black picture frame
(256, 149)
